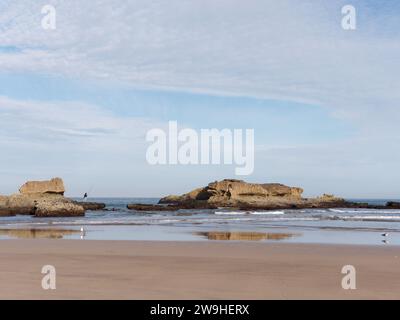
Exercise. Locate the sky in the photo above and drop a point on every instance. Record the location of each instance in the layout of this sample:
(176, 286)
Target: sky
(76, 102)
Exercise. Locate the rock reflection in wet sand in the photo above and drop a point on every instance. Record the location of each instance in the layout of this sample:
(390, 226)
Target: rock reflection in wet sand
(37, 233)
(248, 236)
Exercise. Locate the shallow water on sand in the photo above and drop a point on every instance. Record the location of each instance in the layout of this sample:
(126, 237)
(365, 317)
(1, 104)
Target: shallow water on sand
(348, 226)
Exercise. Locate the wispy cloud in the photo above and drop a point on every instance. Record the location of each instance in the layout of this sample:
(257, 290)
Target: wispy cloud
(274, 49)
(48, 122)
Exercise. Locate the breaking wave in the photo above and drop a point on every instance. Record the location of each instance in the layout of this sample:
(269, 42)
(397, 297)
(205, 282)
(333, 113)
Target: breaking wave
(249, 212)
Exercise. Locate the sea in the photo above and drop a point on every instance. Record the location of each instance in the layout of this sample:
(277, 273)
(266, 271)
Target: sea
(116, 222)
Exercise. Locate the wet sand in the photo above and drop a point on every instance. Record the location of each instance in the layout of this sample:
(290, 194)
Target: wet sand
(195, 270)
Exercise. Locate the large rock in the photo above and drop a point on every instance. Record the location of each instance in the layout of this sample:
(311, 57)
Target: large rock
(42, 199)
(53, 186)
(40, 205)
(250, 196)
(233, 192)
(240, 191)
(58, 209)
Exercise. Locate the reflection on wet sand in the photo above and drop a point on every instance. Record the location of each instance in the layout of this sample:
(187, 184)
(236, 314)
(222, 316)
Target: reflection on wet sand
(37, 233)
(248, 236)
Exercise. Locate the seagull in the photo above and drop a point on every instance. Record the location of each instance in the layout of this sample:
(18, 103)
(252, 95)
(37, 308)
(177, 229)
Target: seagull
(385, 234)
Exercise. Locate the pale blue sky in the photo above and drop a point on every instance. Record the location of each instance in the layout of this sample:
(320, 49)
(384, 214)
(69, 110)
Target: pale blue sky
(76, 102)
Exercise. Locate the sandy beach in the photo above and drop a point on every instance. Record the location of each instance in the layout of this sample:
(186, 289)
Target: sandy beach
(195, 270)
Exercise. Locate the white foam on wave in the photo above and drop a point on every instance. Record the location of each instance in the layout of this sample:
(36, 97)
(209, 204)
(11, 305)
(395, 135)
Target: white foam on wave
(370, 217)
(249, 212)
(338, 210)
(268, 212)
(366, 211)
(231, 213)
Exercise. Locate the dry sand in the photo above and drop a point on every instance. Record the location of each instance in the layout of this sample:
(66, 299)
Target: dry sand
(195, 270)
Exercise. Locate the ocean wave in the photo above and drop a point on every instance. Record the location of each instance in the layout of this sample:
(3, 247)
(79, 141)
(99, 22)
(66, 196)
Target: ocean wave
(230, 213)
(366, 218)
(268, 212)
(338, 210)
(249, 212)
(365, 211)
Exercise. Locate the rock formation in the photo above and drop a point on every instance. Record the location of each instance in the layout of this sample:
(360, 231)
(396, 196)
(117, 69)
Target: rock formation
(53, 186)
(44, 199)
(243, 195)
(58, 208)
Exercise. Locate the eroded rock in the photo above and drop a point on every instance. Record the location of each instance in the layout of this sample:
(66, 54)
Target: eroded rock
(236, 193)
(42, 199)
(58, 209)
(250, 196)
(53, 186)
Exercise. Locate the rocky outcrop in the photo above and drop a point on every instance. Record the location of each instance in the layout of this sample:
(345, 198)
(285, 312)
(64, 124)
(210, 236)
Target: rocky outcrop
(251, 196)
(237, 193)
(41, 199)
(40, 205)
(231, 192)
(53, 208)
(53, 186)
